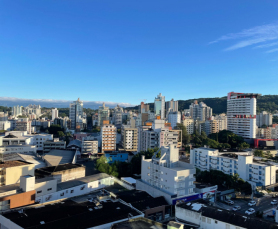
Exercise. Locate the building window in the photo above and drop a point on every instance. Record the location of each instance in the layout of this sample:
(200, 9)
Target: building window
(208, 221)
(49, 189)
(39, 191)
(71, 191)
(216, 222)
(227, 226)
(203, 219)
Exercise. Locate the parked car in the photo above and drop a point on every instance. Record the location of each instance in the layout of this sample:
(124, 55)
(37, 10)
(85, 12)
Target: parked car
(252, 203)
(274, 202)
(236, 208)
(229, 202)
(250, 211)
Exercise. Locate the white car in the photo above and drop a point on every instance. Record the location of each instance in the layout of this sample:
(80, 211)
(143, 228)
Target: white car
(252, 203)
(274, 202)
(236, 208)
(230, 202)
(250, 211)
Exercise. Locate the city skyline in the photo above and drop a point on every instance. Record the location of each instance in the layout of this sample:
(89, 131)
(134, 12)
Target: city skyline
(95, 48)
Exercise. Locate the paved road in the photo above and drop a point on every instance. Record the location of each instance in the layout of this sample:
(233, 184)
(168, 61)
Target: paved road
(263, 204)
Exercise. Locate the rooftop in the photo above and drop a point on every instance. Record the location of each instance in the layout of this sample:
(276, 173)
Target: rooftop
(52, 169)
(56, 157)
(80, 181)
(71, 215)
(139, 223)
(229, 217)
(9, 164)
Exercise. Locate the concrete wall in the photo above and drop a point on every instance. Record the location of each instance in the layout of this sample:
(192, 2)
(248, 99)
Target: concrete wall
(46, 187)
(13, 174)
(6, 223)
(69, 174)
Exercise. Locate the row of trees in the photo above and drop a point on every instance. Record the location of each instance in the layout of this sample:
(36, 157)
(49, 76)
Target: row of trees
(125, 169)
(219, 178)
(223, 140)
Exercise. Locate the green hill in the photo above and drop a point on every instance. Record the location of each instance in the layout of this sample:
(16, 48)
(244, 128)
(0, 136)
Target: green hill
(219, 105)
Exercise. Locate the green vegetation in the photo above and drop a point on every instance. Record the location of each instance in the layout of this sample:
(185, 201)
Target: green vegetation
(22, 116)
(125, 169)
(258, 153)
(267, 103)
(216, 177)
(275, 119)
(56, 130)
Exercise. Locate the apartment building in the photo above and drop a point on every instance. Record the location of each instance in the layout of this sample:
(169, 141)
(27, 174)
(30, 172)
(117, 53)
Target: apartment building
(264, 118)
(17, 110)
(108, 137)
(167, 176)
(117, 116)
(159, 106)
(200, 111)
(76, 115)
(5, 125)
(33, 109)
(23, 124)
(241, 114)
(103, 114)
(174, 117)
(4, 116)
(11, 171)
(189, 125)
(89, 145)
(216, 124)
(172, 105)
(55, 113)
(129, 138)
(242, 163)
(144, 108)
(49, 145)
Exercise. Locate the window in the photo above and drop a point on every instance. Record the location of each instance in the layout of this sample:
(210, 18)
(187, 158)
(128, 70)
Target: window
(49, 189)
(216, 222)
(71, 191)
(39, 191)
(203, 219)
(227, 226)
(62, 194)
(208, 221)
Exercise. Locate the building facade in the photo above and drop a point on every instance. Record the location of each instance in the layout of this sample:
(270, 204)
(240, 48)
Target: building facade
(129, 138)
(103, 114)
(159, 106)
(108, 137)
(241, 114)
(200, 111)
(76, 114)
(174, 117)
(55, 113)
(117, 116)
(264, 118)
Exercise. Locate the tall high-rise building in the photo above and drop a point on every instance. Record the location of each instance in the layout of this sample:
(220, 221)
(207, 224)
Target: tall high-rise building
(17, 110)
(241, 114)
(264, 118)
(118, 116)
(33, 109)
(144, 108)
(200, 111)
(103, 114)
(174, 117)
(129, 138)
(76, 114)
(108, 136)
(55, 113)
(159, 106)
(172, 105)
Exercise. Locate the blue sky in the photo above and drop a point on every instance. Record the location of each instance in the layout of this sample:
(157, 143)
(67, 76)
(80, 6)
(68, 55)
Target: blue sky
(126, 51)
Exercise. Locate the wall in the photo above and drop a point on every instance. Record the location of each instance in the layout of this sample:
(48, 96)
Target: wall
(13, 174)
(69, 174)
(6, 223)
(112, 157)
(76, 191)
(21, 199)
(45, 187)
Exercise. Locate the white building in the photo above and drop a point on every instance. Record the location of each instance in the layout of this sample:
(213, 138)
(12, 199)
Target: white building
(23, 124)
(174, 117)
(5, 125)
(108, 137)
(200, 111)
(200, 215)
(89, 145)
(33, 109)
(241, 114)
(55, 113)
(189, 125)
(17, 110)
(264, 118)
(255, 172)
(129, 138)
(159, 106)
(167, 176)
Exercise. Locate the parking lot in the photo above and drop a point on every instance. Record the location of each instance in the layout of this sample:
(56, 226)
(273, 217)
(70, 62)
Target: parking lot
(262, 204)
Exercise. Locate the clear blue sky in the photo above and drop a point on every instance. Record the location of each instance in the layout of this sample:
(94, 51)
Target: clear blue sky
(126, 51)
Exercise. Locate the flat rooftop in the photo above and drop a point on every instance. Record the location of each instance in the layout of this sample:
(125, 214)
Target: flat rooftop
(71, 215)
(9, 164)
(139, 223)
(58, 168)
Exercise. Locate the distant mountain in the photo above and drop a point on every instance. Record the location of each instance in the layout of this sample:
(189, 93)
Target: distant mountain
(10, 102)
(219, 105)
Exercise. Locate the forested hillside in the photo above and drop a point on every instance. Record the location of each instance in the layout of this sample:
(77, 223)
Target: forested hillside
(219, 105)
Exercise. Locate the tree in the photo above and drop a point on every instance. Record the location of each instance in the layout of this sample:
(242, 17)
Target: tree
(53, 129)
(60, 134)
(243, 146)
(185, 135)
(258, 153)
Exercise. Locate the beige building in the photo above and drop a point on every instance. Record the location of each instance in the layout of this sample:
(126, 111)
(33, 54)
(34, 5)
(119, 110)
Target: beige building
(89, 145)
(11, 171)
(129, 138)
(53, 144)
(189, 125)
(108, 136)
